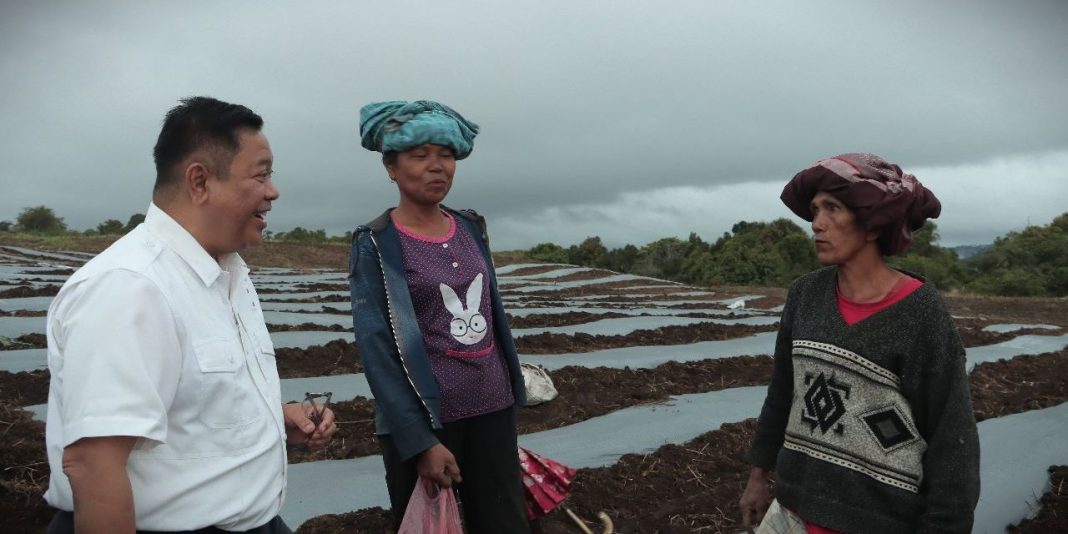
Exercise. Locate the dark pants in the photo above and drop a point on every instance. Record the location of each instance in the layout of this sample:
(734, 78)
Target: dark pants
(491, 494)
(63, 523)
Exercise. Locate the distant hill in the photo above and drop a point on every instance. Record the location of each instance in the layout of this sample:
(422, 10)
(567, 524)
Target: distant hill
(968, 251)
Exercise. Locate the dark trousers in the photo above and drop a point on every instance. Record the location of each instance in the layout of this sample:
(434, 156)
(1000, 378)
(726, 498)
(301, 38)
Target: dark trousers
(491, 494)
(63, 523)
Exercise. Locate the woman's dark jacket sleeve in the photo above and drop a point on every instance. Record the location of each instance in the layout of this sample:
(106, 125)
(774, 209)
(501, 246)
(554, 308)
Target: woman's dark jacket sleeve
(410, 425)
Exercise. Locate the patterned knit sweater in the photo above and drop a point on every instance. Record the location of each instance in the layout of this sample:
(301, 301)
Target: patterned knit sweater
(869, 427)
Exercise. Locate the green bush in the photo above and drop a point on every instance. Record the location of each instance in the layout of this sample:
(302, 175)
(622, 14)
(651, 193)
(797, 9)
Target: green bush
(590, 253)
(302, 235)
(133, 221)
(40, 220)
(931, 261)
(548, 253)
(110, 226)
(1033, 261)
(1011, 283)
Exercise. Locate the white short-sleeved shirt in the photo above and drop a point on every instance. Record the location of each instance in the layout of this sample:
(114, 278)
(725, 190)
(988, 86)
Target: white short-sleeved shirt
(155, 339)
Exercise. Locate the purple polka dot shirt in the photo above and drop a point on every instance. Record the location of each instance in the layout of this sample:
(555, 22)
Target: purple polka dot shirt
(449, 283)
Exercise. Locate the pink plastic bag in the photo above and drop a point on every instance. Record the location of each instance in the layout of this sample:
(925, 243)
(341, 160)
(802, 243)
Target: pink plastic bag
(431, 510)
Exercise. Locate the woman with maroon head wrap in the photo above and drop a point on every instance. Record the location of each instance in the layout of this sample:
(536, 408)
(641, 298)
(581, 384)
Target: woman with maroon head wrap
(868, 422)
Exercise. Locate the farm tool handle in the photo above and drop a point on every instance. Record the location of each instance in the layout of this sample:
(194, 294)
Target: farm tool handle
(316, 411)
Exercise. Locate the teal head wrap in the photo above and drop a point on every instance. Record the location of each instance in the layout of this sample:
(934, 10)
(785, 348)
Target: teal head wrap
(398, 125)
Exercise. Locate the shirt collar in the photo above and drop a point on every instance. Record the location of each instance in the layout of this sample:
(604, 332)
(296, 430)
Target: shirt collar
(166, 229)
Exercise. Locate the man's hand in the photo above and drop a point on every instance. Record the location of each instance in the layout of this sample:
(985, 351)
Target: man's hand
(96, 468)
(756, 498)
(300, 430)
(439, 465)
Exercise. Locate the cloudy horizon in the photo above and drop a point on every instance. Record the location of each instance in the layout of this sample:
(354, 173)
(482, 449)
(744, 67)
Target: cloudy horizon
(631, 121)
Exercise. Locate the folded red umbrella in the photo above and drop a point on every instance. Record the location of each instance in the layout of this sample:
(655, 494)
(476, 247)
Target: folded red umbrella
(547, 482)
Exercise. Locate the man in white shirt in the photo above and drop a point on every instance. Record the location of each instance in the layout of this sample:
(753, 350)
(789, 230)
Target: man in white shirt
(164, 407)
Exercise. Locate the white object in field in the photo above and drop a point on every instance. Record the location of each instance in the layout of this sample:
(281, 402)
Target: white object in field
(538, 384)
(740, 303)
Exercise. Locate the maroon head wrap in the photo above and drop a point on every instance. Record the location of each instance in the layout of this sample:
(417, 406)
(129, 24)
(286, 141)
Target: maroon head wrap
(882, 197)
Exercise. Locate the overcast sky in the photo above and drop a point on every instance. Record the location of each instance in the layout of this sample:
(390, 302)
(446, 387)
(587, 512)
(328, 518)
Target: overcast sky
(628, 120)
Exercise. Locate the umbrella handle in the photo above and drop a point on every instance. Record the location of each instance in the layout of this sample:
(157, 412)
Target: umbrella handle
(605, 521)
(581, 524)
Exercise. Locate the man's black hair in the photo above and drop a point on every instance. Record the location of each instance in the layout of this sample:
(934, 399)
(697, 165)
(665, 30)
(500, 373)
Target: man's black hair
(200, 123)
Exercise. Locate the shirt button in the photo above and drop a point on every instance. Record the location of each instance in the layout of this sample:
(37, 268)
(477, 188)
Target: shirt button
(454, 264)
(444, 245)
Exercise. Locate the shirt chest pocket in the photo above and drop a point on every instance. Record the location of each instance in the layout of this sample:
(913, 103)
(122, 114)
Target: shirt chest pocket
(227, 395)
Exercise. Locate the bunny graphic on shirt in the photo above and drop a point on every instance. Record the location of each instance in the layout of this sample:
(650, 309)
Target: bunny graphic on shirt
(468, 325)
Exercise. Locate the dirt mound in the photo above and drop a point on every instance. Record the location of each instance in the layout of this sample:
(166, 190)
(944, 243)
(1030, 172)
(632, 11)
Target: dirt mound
(264, 289)
(35, 341)
(25, 474)
(298, 256)
(335, 358)
(1009, 309)
(547, 343)
(1018, 385)
(321, 286)
(307, 327)
(535, 269)
(29, 291)
(548, 320)
(25, 341)
(591, 274)
(693, 487)
(281, 297)
(25, 388)
(600, 289)
(56, 271)
(368, 521)
(586, 393)
(1053, 517)
(24, 313)
(543, 303)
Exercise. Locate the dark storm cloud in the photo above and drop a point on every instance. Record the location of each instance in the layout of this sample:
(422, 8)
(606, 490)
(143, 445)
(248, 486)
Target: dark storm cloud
(583, 107)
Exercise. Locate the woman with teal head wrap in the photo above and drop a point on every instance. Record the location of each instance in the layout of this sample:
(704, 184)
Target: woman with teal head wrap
(430, 326)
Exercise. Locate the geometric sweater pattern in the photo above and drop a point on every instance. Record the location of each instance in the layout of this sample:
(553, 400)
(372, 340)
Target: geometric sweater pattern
(869, 427)
(850, 412)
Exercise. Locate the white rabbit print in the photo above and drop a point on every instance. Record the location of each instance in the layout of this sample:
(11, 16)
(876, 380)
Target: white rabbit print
(468, 326)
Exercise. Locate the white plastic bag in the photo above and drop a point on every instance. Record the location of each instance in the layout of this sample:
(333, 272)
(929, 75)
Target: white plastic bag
(538, 384)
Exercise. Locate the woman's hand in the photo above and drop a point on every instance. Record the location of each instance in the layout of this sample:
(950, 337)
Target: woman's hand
(439, 465)
(756, 498)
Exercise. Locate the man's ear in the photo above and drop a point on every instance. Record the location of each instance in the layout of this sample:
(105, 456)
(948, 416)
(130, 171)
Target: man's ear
(195, 179)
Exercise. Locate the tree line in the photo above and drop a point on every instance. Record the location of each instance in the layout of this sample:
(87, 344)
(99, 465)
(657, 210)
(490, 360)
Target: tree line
(44, 221)
(1031, 262)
